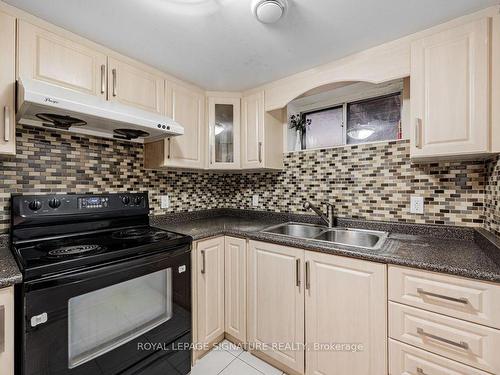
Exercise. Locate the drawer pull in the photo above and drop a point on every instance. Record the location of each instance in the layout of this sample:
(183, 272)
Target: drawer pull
(297, 272)
(461, 344)
(308, 276)
(465, 301)
(2, 329)
(203, 261)
(420, 371)
(113, 72)
(103, 79)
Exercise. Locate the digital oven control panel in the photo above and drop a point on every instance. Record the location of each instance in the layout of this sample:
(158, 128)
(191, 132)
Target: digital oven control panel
(31, 206)
(93, 202)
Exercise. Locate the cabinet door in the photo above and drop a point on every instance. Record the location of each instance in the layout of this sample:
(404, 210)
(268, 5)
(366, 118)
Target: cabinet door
(346, 303)
(276, 303)
(187, 107)
(48, 57)
(224, 133)
(7, 331)
(450, 77)
(135, 86)
(7, 80)
(210, 289)
(235, 295)
(252, 131)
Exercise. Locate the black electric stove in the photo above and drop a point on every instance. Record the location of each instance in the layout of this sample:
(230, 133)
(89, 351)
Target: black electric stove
(89, 261)
(53, 234)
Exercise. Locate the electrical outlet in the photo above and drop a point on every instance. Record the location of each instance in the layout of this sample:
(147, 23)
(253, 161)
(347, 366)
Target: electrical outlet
(255, 200)
(417, 205)
(164, 201)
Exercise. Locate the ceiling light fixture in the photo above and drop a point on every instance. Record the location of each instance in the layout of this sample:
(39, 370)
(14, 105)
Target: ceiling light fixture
(269, 11)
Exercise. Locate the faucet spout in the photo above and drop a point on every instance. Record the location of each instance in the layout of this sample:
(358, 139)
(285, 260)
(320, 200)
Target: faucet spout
(328, 218)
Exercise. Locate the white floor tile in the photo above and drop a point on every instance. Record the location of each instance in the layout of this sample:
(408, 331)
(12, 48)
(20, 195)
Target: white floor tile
(212, 363)
(238, 367)
(231, 348)
(259, 364)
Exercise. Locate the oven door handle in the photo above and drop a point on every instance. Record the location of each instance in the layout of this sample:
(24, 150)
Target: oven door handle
(134, 267)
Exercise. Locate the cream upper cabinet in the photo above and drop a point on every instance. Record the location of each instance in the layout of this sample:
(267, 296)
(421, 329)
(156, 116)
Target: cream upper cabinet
(346, 302)
(235, 293)
(252, 130)
(224, 132)
(261, 135)
(276, 302)
(7, 331)
(450, 92)
(187, 107)
(136, 86)
(210, 290)
(7, 84)
(48, 57)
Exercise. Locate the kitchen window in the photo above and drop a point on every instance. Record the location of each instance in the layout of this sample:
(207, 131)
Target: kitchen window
(368, 120)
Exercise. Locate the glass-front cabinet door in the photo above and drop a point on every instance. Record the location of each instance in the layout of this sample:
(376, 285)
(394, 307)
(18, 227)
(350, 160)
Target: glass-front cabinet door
(224, 133)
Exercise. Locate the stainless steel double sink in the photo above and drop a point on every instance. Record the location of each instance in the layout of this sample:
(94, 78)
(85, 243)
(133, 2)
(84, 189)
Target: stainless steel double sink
(367, 239)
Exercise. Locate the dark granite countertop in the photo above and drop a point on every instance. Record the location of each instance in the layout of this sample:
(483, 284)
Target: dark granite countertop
(9, 272)
(467, 252)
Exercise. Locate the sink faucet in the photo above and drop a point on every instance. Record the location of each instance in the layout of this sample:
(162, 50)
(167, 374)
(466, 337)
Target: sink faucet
(328, 218)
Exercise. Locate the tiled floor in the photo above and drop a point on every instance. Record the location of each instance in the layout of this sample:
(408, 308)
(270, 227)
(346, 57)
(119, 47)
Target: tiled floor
(228, 359)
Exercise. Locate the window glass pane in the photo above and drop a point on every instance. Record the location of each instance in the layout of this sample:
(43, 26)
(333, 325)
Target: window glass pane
(224, 123)
(104, 319)
(375, 119)
(325, 129)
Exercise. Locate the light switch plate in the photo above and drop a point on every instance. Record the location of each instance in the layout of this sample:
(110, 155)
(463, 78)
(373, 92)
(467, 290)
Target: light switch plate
(255, 200)
(164, 201)
(417, 204)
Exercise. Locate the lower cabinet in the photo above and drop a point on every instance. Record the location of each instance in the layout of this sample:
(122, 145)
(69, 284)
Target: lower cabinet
(345, 304)
(336, 306)
(209, 255)
(276, 303)
(235, 293)
(219, 288)
(7, 331)
(407, 359)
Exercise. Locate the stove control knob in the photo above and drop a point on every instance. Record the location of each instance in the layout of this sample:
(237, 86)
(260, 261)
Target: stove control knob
(125, 199)
(137, 200)
(35, 205)
(54, 203)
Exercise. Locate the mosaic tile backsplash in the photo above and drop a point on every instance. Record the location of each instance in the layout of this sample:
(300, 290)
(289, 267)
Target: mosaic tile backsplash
(492, 198)
(372, 181)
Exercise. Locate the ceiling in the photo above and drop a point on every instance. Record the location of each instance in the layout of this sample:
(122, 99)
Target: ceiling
(219, 45)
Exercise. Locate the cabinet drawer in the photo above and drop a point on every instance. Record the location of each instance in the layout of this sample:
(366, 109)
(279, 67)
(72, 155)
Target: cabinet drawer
(405, 359)
(469, 343)
(462, 298)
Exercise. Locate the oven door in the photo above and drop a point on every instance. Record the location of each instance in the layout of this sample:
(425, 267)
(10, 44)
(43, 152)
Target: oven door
(118, 318)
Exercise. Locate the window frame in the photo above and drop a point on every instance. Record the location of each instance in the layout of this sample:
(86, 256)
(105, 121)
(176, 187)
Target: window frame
(344, 106)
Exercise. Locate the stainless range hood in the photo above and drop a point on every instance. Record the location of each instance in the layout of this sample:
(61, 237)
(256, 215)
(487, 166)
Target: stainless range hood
(45, 105)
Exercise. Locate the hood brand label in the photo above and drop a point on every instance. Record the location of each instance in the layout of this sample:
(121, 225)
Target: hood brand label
(50, 100)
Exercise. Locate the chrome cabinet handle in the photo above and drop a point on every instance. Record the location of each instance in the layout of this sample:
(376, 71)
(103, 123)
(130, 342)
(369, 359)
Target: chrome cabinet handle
(113, 72)
(211, 155)
(103, 79)
(260, 152)
(6, 114)
(297, 272)
(308, 276)
(465, 301)
(168, 152)
(2, 329)
(420, 371)
(418, 133)
(461, 344)
(203, 261)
